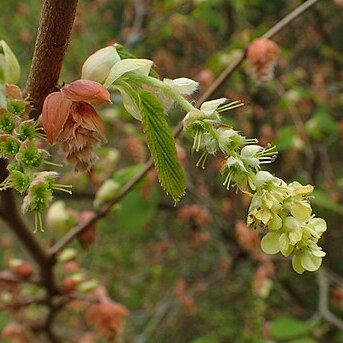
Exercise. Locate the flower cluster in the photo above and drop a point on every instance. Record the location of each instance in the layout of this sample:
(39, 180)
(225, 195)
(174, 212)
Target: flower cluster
(20, 139)
(20, 143)
(282, 211)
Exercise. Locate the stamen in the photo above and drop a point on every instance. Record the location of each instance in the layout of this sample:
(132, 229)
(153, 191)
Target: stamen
(230, 106)
(202, 160)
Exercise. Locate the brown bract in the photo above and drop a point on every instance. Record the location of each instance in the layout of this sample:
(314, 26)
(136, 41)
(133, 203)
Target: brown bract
(261, 54)
(69, 118)
(106, 316)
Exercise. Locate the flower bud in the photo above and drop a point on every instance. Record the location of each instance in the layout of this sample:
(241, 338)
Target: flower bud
(9, 66)
(106, 192)
(98, 65)
(21, 268)
(58, 217)
(262, 54)
(67, 255)
(88, 286)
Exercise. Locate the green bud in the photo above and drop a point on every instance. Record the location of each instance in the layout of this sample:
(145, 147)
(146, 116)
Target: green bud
(106, 192)
(88, 286)
(16, 106)
(9, 146)
(9, 66)
(7, 122)
(30, 156)
(20, 180)
(57, 217)
(27, 130)
(38, 197)
(67, 255)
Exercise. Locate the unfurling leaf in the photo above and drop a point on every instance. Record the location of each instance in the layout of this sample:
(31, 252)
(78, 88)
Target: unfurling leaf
(162, 146)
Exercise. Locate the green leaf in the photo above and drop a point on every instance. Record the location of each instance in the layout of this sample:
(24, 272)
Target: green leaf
(288, 328)
(162, 146)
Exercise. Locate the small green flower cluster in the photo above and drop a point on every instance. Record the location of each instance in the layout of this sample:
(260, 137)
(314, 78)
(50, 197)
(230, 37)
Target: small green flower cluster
(20, 138)
(282, 211)
(285, 212)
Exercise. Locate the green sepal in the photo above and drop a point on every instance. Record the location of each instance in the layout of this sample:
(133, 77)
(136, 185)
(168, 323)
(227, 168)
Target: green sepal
(162, 145)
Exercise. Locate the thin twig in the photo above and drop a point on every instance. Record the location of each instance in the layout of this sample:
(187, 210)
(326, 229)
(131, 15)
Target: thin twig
(64, 241)
(23, 303)
(323, 302)
(31, 243)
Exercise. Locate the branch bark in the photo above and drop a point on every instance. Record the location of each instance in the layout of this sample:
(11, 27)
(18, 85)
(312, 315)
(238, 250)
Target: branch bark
(57, 17)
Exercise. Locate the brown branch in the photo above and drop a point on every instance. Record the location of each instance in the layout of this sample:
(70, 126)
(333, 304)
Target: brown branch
(54, 30)
(289, 18)
(15, 221)
(23, 303)
(57, 17)
(64, 241)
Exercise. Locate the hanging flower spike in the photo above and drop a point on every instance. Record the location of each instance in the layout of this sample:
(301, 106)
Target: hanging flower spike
(70, 119)
(261, 55)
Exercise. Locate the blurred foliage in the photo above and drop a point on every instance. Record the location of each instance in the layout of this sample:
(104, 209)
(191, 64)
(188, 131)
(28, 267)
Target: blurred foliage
(179, 270)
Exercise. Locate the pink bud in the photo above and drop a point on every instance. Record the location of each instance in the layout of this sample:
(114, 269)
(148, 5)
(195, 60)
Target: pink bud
(87, 90)
(55, 113)
(261, 54)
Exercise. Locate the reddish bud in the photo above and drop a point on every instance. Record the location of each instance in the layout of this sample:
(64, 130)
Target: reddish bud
(55, 113)
(21, 268)
(13, 91)
(16, 332)
(87, 236)
(69, 284)
(70, 267)
(261, 55)
(86, 90)
(106, 316)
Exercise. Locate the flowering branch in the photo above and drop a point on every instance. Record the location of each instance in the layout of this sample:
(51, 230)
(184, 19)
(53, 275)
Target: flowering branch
(64, 241)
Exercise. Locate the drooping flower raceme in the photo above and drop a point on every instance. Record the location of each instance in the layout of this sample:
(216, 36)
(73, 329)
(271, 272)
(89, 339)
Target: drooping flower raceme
(282, 211)
(70, 119)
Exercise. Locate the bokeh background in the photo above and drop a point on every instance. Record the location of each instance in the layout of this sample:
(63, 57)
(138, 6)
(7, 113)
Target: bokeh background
(192, 273)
